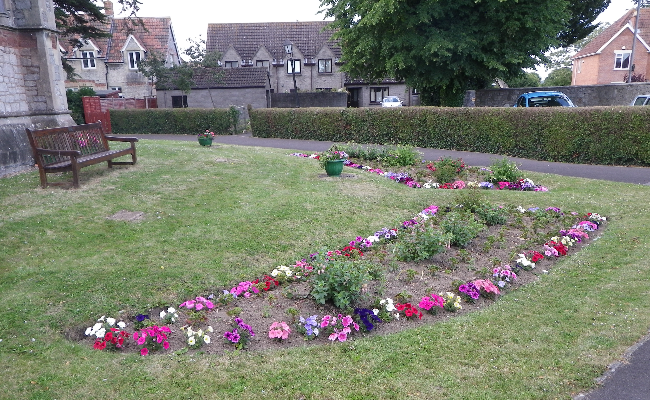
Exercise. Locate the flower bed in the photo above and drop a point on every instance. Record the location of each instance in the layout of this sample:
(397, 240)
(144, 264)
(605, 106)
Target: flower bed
(294, 304)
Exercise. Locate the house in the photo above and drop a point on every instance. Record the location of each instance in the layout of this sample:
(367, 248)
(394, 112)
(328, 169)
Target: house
(606, 59)
(32, 94)
(312, 65)
(112, 63)
(219, 88)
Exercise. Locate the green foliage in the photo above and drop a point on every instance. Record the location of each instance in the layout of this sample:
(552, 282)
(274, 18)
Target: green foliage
(470, 200)
(525, 79)
(558, 77)
(504, 170)
(340, 281)
(492, 215)
(75, 104)
(389, 155)
(445, 47)
(420, 243)
(184, 121)
(462, 227)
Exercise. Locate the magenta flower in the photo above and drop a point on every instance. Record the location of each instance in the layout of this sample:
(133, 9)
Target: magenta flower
(144, 351)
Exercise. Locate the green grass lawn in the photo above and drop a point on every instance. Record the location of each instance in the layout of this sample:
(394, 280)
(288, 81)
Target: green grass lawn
(215, 216)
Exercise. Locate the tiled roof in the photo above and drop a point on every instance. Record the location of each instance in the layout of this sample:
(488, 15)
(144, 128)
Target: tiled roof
(224, 78)
(628, 18)
(154, 34)
(248, 38)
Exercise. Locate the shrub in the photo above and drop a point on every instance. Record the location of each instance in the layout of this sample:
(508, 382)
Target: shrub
(421, 244)
(492, 215)
(339, 282)
(504, 170)
(470, 200)
(462, 227)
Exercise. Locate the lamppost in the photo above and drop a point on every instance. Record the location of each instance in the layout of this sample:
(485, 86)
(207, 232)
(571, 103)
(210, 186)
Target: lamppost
(288, 48)
(636, 32)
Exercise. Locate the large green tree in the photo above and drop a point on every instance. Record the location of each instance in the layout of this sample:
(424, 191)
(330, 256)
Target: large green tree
(444, 47)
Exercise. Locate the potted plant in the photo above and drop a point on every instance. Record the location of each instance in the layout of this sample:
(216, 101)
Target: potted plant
(332, 161)
(205, 138)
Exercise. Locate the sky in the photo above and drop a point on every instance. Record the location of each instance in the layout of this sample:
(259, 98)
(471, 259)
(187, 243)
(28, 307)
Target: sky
(190, 18)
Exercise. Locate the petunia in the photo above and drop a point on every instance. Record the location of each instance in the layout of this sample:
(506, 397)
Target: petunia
(144, 351)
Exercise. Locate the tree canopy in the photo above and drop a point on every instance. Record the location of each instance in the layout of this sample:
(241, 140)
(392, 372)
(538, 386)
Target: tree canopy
(445, 47)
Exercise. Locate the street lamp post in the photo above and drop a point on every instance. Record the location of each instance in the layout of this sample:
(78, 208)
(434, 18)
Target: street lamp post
(636, 32)
(288, 48)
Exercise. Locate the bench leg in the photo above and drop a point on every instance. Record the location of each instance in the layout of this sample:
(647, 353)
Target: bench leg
(75, 173)
(43, 176)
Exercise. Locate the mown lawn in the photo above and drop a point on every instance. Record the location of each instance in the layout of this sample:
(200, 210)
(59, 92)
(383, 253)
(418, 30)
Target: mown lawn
(215, 216)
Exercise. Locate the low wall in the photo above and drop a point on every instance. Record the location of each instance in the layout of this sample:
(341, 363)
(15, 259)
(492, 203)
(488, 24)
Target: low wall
(619, 94)
(309, 99)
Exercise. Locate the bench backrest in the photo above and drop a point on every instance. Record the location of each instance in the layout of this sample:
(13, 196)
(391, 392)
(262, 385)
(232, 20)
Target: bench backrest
(87, 139)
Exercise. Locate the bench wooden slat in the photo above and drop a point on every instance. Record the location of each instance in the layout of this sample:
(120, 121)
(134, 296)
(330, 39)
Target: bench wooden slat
(74, 147)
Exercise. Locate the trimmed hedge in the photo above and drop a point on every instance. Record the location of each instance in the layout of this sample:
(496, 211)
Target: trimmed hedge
(589, 135)
(185, 121)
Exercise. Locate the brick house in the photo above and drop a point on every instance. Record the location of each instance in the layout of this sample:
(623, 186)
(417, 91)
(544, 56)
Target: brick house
(606, 59)
(316, 59)
(112, 63)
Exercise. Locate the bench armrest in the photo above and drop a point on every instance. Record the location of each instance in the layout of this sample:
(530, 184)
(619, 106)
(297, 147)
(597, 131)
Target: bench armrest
(121, 139)
(68, 153)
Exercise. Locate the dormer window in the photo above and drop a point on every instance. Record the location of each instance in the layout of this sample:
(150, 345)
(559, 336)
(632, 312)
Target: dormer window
(87, 59)
(134, 59)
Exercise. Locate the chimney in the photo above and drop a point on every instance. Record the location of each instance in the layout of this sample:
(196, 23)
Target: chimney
(108, 8)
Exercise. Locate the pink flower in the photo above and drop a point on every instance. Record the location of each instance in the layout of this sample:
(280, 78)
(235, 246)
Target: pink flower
(333, 336)
(144, 351)
(166, 345)
(346, 321)
(343, 336)
(199, 306)
(209, 304)
(142, 339)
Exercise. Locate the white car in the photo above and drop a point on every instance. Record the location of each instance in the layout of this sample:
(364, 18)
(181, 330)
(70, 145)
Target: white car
(391, 101)
(643, 100)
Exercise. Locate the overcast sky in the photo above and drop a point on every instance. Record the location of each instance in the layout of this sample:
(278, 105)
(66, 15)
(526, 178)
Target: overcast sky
(190, 18)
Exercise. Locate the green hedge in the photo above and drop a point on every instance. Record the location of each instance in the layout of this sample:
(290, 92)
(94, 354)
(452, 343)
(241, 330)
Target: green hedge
(186, 121)
(589, 135)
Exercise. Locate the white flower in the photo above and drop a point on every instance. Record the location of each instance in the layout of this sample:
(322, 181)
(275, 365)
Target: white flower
(100, 333)
(200, 332)
(89, 330)
(191, 341)
(190, 332)
(121, 324)
(521, 209)
(396, 315)
(210, 329)
(375, 311)
(315, 330)
(111, 321)
(101, 319)
(171, 310)
(206, 339)
(162, 314)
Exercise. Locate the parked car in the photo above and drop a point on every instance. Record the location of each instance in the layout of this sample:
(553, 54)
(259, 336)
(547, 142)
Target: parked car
(391, 101)
(544, 99)
(643, 100)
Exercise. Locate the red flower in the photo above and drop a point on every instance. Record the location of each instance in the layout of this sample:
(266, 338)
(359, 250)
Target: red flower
(536, 257)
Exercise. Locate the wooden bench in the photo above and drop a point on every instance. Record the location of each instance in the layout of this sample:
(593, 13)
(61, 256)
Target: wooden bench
(71, 148)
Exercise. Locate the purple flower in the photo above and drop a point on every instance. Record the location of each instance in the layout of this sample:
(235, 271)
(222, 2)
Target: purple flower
(141, 317)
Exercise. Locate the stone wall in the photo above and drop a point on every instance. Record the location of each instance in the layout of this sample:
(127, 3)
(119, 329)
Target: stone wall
(619, 94)
(32, 93)
(216, 98)
(309, 99)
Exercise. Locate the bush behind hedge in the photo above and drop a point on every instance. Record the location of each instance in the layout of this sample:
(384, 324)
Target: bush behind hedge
(589, 135)
(184, 121)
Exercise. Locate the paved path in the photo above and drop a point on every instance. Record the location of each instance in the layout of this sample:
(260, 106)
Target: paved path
(625, 380)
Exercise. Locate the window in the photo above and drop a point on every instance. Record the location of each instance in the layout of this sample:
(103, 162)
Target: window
(325, 66)
(179, 101)
(377, 94)
(262, 63)
(87, 59)
(231, 64)
(134, 59)
(415, 92)
(622, 60)
(296, 66)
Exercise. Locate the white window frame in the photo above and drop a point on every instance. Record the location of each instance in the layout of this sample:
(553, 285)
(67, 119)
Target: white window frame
(231, 64)
(134, 58)
(88, 59)
(383, 92)
(620, 57)
(297, 66)
(324, 65)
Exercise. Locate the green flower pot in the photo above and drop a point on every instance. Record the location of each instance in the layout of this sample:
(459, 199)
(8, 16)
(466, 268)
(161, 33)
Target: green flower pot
(205, 141)
(334, 167)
